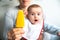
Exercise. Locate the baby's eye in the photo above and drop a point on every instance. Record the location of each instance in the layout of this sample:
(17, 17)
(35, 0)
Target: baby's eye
(38, 14)
(32, 14)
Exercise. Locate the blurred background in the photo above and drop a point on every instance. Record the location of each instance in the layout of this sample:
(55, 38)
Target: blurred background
(51, 9)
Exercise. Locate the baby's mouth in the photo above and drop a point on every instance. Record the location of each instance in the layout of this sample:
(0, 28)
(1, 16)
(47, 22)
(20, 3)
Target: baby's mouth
(36, 20)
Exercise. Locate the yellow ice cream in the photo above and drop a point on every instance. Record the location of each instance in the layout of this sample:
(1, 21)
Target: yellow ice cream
(20, 19)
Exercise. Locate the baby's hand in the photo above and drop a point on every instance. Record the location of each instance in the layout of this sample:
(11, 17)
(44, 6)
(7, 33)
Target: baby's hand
(58, 33)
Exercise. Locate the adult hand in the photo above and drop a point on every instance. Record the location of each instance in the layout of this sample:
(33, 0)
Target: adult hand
(15, 34)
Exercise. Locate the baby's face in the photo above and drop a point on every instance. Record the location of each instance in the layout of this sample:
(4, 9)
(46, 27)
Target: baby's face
(35, 15)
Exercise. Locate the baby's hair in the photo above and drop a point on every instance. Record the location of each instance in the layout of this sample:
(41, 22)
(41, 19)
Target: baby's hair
(33, 6)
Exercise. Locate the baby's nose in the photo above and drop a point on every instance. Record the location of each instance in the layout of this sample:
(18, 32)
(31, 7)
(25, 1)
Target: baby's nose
(36, 16)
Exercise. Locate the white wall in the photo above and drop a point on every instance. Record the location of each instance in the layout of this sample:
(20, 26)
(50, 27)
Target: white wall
(51, 9)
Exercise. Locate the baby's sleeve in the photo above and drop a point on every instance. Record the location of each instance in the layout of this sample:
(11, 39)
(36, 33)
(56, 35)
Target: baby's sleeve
(51, 29)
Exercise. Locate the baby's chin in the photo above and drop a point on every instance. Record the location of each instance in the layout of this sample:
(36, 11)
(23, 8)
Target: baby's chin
(35, 23)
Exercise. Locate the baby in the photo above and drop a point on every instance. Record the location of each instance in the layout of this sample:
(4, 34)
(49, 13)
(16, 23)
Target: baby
(35, 23)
